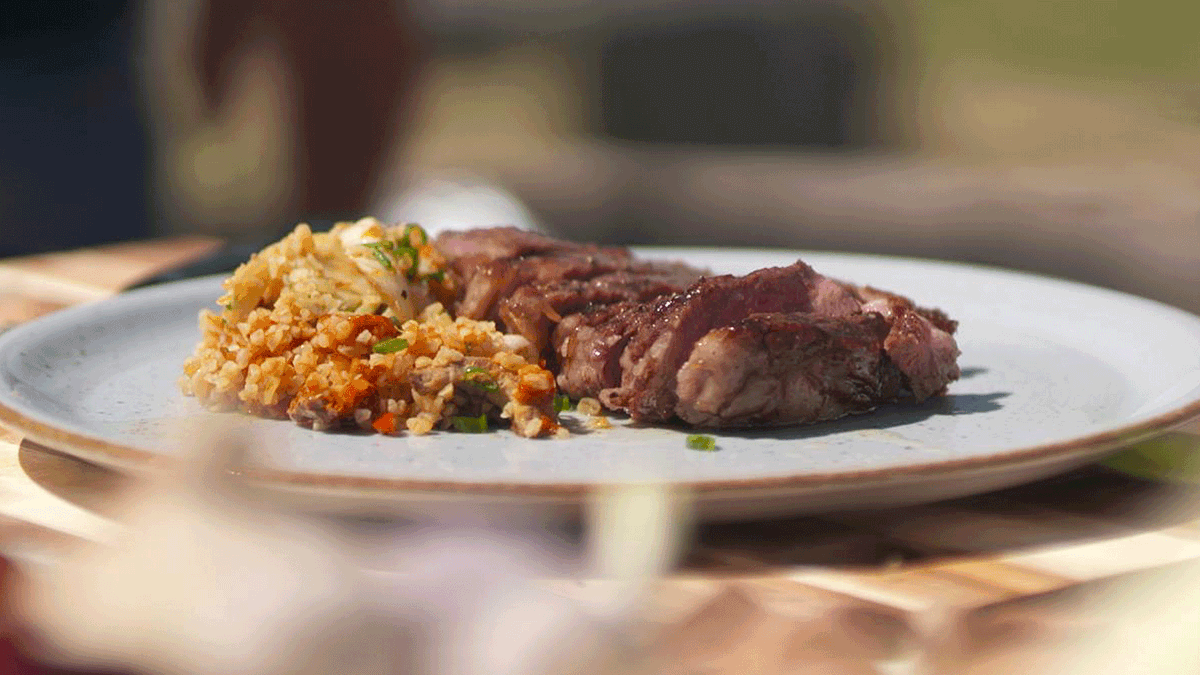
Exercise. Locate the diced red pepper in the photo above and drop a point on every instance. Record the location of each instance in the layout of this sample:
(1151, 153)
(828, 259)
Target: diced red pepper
(386, 423)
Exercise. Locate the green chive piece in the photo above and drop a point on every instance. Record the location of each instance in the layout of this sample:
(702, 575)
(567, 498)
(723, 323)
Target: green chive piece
(423, 238)
(389, 346)
(562, 403)
(410, 253)
(377, 249)
(701, 442)
(438, 276)
(479, 378)
(470, 425)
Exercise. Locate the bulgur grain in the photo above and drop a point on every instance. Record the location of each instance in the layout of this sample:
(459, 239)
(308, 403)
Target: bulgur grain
(588, 406)
(295, 339)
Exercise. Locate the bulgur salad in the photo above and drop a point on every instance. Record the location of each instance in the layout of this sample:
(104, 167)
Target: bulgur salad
(350, 328)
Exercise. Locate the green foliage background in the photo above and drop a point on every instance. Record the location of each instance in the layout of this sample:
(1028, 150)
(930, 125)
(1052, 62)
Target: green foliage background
(1122, 39)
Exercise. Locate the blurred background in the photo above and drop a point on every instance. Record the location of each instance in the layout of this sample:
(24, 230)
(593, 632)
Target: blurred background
(1058, 136)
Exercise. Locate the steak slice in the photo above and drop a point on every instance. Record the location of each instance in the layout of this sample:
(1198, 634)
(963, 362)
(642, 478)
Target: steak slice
(774, 369)
(589, 347)
(489, 265)
(920, 341)
(927, 355)
(485, 284)
(667, 329)
(527, 282)
(535, 309)
(876, 300)
(495, 243)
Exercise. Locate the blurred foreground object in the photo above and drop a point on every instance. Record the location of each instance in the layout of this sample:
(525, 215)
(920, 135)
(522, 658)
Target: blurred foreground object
(212, 577)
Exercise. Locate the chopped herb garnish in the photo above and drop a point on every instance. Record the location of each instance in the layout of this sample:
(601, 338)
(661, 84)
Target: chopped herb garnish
(392, 254)
(378, 248)
(562, 403)
(420, 232)
(701, 442)
(229, 306)
(411, 253)
(391, 345)
(479, 378)
(470, 425)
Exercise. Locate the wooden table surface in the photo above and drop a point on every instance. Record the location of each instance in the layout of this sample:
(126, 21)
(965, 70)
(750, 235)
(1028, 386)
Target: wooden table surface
(805, 594)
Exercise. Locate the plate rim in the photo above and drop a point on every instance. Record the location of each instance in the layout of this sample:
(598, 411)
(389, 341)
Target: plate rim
(116, 455)
(99, 451)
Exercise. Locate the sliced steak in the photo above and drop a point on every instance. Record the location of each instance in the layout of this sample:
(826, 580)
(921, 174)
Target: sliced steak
(920, 342)
(774, 369)
(484, 284)
(778, 346)
(535, 309)
(927, 355)
(876, 300)
(589, 347)
(668, 328)
(495, 243)
(527, 282)
(488, 265)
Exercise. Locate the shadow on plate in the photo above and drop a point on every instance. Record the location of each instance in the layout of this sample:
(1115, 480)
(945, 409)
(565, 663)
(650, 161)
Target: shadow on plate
(970, 372)
(884, 417)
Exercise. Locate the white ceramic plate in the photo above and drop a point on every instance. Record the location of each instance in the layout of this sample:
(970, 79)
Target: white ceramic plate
(1055, 374)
